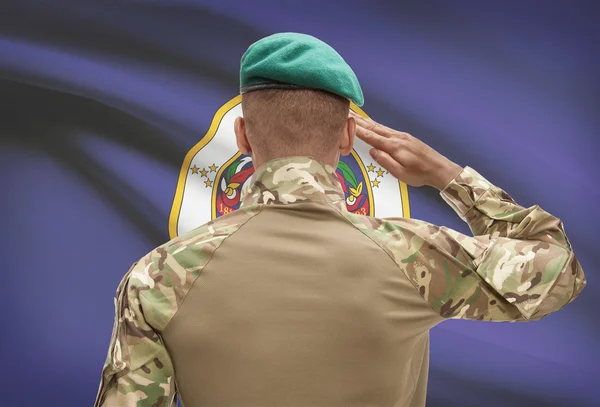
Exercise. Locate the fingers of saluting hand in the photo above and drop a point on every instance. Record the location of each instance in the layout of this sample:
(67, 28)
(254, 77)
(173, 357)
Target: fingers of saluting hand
(372, 125)
(368, 124)
(375, 134)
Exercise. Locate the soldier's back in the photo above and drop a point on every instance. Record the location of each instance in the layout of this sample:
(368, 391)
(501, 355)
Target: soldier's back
(298, 306)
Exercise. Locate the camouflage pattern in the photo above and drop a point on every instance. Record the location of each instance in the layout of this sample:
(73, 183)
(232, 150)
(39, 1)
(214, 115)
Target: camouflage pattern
(295, 179)
(518, 266)
(531, 262)
(138, 370)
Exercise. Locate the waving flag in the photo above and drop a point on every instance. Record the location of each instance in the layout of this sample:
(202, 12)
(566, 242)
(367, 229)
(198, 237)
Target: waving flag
(112, 140)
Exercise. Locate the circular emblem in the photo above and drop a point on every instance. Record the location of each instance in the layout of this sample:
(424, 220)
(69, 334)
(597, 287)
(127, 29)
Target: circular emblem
(215, 177)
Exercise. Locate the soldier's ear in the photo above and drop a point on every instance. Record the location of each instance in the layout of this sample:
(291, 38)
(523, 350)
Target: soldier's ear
(241, 137)
(347, 139)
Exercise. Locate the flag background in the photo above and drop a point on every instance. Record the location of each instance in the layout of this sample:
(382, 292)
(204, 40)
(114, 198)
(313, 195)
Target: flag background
(100, 101)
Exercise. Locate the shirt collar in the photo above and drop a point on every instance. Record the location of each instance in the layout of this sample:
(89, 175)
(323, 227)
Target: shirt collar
(295, 179)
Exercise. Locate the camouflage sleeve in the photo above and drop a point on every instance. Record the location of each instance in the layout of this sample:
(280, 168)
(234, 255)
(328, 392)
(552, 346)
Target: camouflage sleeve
(519, 265)
(527, 268)
(138, 370)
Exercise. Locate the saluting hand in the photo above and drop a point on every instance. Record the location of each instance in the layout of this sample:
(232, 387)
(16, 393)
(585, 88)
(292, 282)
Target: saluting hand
(404, 156)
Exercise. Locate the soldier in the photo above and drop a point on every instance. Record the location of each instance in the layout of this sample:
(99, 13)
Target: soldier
(294, 301)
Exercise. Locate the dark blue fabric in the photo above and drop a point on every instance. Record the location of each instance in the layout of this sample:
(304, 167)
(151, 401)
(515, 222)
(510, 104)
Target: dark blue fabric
(100, 101)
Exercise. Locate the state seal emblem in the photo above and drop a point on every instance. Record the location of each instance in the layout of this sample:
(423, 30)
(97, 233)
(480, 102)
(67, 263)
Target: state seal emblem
(215, 177)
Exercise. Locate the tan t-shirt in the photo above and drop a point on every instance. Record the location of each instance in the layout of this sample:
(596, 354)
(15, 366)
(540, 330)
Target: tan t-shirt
(293, 301)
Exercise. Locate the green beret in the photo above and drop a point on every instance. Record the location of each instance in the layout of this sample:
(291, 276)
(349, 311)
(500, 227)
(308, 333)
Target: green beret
(295, 61)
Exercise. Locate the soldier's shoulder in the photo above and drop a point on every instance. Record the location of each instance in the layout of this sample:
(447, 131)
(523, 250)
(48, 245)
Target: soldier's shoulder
(386, 229)
(205, 235)
(189, 251)
(165, 275)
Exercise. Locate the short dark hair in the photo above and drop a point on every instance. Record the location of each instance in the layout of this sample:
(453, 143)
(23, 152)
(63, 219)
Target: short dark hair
(283, 122)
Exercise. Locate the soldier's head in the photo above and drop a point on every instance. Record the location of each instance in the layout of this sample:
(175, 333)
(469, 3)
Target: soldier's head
(290, 122)
(296, 92)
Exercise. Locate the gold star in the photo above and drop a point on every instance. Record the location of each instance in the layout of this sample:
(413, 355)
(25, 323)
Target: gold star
(379, 172)
(194, 169)
(371, 168)
(375, 183)
(208, 183)
(213, 168)
(203, 172)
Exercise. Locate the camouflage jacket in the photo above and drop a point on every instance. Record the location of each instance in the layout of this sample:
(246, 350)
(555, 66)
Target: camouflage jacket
(518, 266)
